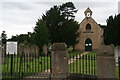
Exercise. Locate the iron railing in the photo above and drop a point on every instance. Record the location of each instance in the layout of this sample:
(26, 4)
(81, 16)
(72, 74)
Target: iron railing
(25, 65)
(36, 66)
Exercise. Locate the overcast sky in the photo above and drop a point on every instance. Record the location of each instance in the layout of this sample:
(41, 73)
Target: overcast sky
(18, 17)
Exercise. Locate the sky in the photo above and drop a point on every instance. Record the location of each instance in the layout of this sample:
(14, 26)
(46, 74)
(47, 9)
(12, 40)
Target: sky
(19, 17)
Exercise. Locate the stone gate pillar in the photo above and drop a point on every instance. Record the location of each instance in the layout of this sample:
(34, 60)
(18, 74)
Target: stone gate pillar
(59, 61)
(106, 62)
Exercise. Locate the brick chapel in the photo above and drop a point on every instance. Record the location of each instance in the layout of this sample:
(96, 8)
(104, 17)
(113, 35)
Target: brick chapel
(91, 34)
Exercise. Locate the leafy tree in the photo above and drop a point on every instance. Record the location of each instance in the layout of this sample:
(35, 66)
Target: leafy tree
(22, 38)
(60, 23)
(56, 25)
(112, 31)
(3, 37)
(40, 34)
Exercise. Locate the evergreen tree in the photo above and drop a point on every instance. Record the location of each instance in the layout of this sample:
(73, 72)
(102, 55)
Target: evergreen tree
(61, 24)
(40, 34)
(112, 31)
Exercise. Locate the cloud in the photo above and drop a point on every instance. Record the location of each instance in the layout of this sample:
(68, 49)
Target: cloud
(59, 0)
(20, 17)
(19, 5)
(101, 10)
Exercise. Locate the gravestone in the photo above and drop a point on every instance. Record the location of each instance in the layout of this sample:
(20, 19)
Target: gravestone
(45, 49)
(117, 54)
(106, 62)
(59, 61)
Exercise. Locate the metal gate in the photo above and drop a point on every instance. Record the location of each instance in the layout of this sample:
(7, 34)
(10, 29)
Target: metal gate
(82, 66)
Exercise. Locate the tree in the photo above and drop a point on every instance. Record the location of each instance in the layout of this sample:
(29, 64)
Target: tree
(3, 37)
(112, 31)
(60, 23)
(40, 34)
(70, 32)
(68, 9)
(22, 38)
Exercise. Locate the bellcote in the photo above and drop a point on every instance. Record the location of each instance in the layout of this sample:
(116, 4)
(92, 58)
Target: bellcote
(88, 12)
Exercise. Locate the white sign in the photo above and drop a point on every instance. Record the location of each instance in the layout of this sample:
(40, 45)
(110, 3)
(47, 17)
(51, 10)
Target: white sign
(11, 48)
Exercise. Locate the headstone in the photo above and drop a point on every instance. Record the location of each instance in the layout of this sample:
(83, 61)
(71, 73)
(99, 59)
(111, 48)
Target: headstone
(59, 61)
(106, 62)
(28, 49)
(117, 54)
(49, 47)
(45, 49)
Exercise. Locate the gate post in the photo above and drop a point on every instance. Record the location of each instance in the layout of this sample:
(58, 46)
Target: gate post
(59, 61)
(106, 62)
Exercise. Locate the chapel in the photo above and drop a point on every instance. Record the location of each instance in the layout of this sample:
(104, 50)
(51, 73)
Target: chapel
(90, 34)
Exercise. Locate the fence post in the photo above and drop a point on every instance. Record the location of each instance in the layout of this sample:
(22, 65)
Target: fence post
(11, 65)
(20, 66)
(59, 61)
(106, 62)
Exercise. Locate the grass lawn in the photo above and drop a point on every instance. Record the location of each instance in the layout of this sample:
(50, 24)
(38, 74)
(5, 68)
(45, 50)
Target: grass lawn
(117, 72)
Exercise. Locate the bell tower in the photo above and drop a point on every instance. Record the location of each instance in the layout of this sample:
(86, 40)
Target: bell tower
(88, 12)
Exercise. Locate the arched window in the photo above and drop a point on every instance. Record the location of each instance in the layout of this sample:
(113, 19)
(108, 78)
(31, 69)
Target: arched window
(88, 26)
